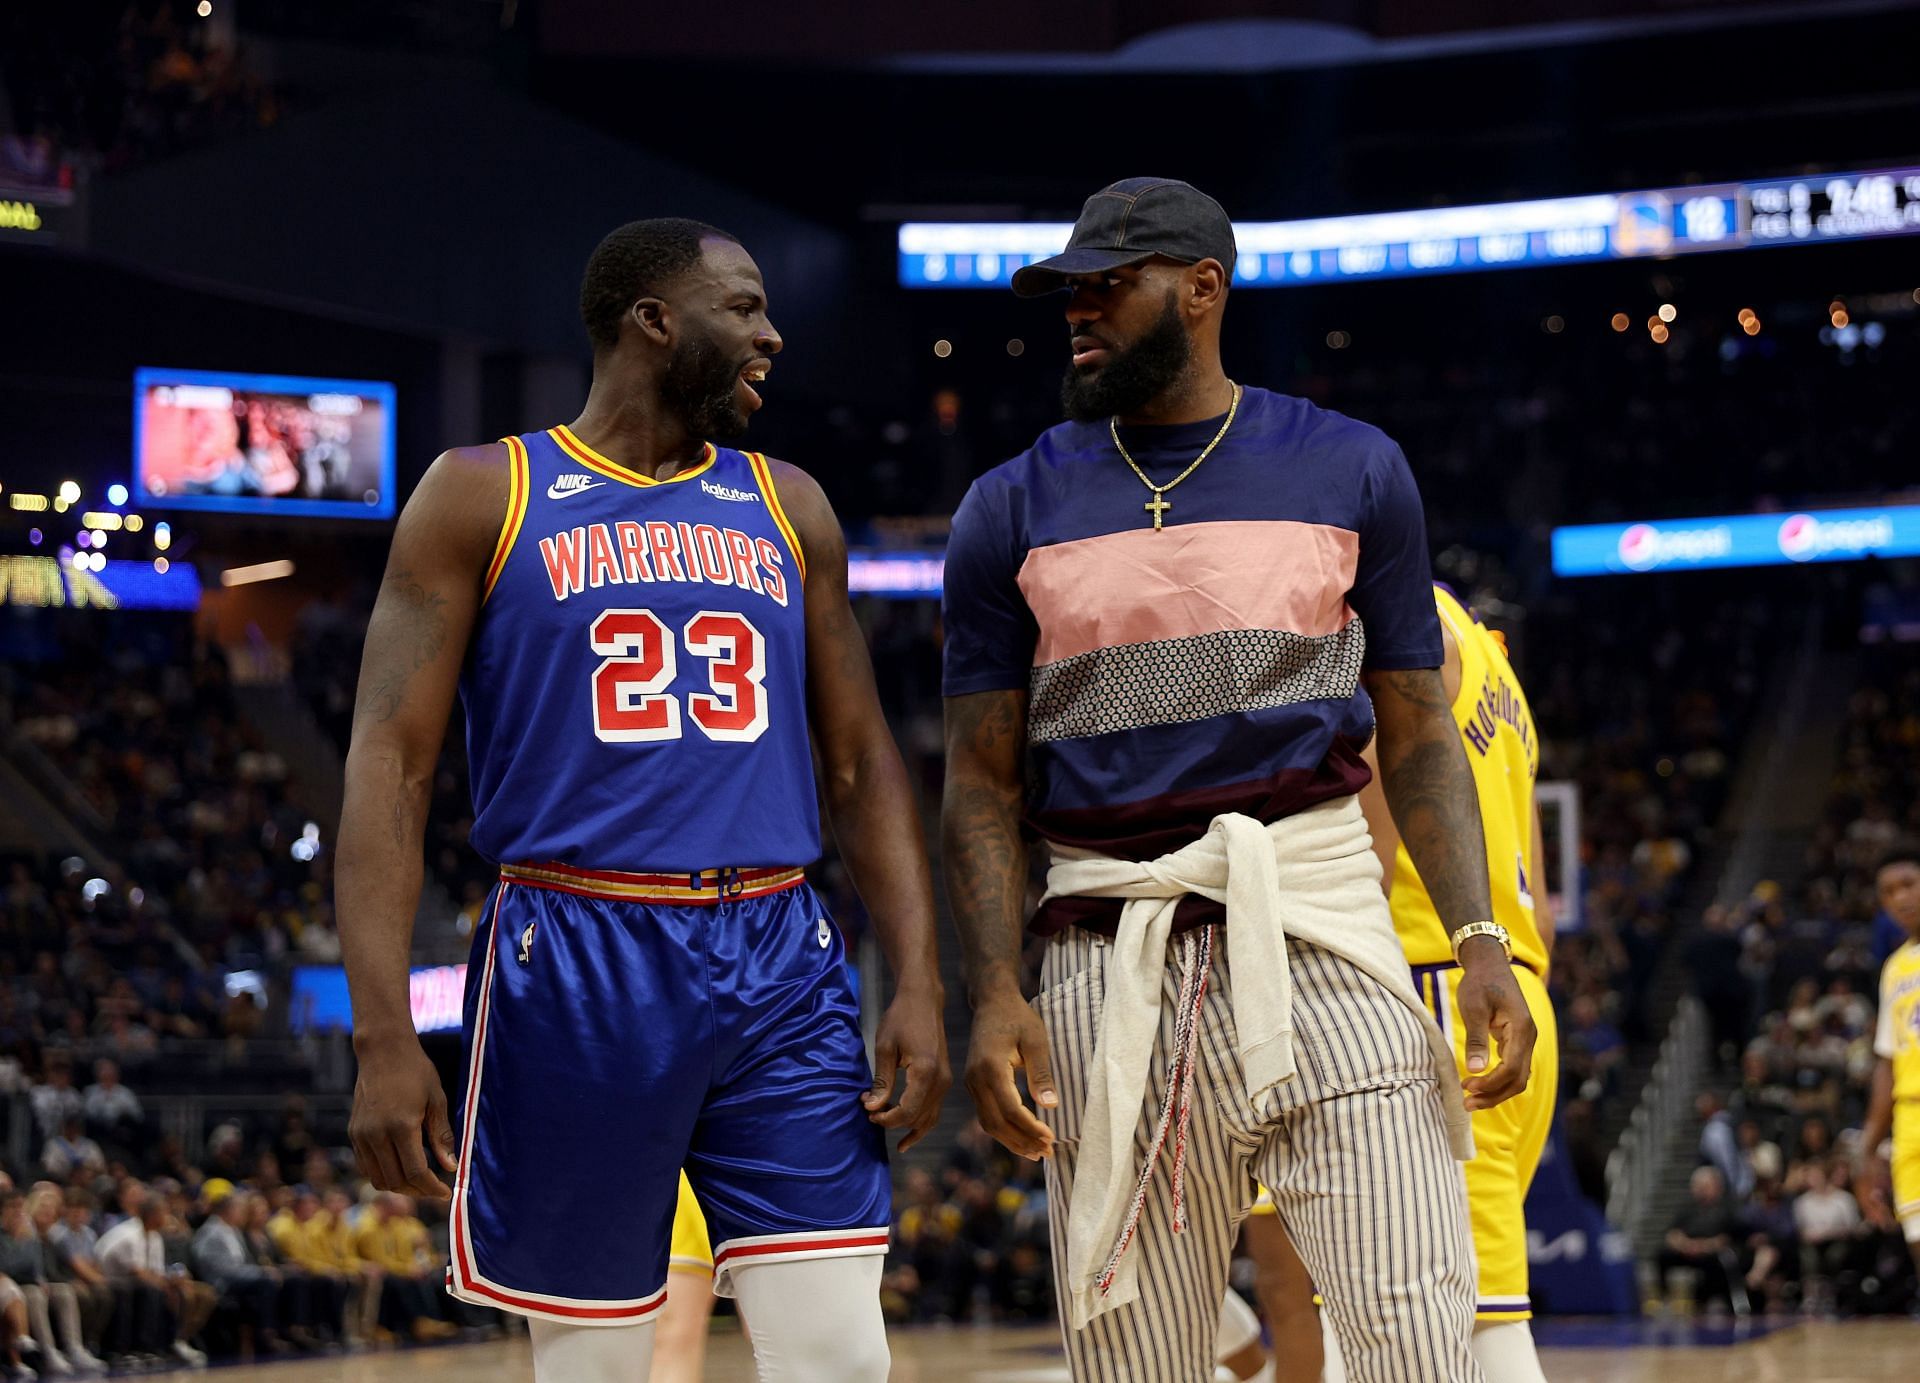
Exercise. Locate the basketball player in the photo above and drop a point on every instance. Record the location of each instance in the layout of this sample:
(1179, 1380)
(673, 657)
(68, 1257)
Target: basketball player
(645, 629)
(1503, 750)
(1188, 608)
(1895, 1103)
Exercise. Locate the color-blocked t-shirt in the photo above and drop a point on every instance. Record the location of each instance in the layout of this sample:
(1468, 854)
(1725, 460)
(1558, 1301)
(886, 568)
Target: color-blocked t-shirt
(1211, 666)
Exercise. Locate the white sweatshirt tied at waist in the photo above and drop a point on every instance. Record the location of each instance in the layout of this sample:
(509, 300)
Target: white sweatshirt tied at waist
(1312, 876)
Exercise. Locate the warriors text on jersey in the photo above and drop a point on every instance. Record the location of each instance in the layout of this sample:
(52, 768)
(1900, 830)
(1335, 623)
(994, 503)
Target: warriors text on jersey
(636, 688)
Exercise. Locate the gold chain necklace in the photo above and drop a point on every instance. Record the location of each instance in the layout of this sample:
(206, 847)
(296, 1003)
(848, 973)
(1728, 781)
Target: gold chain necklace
(1159, 504)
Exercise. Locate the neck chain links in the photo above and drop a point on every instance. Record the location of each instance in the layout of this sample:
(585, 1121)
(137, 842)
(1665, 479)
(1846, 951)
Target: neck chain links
(1159, 504)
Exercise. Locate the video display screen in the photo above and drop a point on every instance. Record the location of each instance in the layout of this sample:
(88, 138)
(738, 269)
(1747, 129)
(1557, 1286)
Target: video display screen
(264, 444)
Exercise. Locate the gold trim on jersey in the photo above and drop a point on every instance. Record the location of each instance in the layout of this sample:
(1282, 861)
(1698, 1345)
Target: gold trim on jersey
(517, 487)
(613, 470)
(764, 469)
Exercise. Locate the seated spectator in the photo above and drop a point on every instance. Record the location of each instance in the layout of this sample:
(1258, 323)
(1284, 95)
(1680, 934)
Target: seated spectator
(21, 1260)
(113, 1111)
(70, 1151)
(1773, 1242)
(394, 1240)
(340, 1239)
(310, 1304)
(1592, 1047)
(294, 1142)
(299, 1233)
(150, 1306)
(1720, 1146)
(1701, 1238)
(13, 1324)
(76, 1290)
(1828, 1221)
(222, 1258)
(55, 1100)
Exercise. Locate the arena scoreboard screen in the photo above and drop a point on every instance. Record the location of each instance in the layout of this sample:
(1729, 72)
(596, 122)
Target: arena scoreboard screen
(263, 444)
(1452, 240)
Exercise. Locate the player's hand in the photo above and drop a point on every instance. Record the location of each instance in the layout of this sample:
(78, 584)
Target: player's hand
(1008, 1034)
(1491, 1004)
(913, 1036)
(395, 1099)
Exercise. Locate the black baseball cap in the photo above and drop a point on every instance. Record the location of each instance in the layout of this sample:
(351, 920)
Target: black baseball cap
(1132, 221)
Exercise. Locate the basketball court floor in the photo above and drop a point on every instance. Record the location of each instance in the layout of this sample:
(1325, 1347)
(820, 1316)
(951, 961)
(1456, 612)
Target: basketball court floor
(1854, 1352)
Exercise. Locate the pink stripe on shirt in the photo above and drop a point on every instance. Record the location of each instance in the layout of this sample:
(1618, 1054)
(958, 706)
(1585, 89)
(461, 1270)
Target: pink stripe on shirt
(1140, 585)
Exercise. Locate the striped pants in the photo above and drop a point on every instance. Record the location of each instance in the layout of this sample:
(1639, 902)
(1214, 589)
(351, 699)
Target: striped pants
(1354, 1149)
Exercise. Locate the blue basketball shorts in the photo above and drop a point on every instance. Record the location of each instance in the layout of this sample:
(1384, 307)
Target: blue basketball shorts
(620, 1027)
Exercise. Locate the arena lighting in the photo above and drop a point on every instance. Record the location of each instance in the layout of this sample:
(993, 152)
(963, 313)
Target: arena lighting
(116, 493)
(1737, 540)
(135, 523)
(1651, 224)
(1668, 312)
(943, 348)
(69, 491)
(1620, 321)
(32, 504)
(103, 518)
(259, 571)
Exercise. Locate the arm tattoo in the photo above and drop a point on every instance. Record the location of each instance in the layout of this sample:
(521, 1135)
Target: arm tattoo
(413, 622)
(1429, 786)
(986, 865)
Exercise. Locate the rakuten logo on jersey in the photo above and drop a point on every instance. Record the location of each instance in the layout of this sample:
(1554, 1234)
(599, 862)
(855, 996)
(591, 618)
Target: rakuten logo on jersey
(1804, 537)
(1644, 547)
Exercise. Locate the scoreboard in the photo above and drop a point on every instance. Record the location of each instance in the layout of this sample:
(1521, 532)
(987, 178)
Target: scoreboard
(1451, 240)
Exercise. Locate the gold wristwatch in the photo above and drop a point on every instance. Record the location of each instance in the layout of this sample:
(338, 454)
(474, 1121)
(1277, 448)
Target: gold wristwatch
(1492, 929)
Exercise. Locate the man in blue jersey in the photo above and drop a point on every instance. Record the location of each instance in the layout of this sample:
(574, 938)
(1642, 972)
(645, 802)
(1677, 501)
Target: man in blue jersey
(1173, 626)
(651, 637)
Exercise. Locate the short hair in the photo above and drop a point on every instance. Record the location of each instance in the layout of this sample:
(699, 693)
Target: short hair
(639, 258)
(1899, 854)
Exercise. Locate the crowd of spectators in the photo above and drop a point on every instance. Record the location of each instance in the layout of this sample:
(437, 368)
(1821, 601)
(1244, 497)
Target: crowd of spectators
(216, 856)
(970, 1239)
(118, 1252)
(114, 86)
(1789, 979)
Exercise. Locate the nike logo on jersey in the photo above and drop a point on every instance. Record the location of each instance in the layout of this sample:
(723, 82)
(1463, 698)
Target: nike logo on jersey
(728, 492)
(571, 485)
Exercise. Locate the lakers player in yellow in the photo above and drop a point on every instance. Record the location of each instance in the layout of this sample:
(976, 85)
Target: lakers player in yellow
(1895, 1105)
(1503, 749)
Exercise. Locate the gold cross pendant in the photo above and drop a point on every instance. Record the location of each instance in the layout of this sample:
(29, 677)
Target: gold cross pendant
(1157, 506)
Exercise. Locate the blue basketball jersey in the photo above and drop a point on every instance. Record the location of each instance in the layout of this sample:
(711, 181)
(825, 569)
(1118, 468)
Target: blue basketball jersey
(636, 686)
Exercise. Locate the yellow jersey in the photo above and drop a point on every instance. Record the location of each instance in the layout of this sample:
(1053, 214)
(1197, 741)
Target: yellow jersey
(304, 1242)
(400, 1245)
(1503, 749)
(1898, 1036)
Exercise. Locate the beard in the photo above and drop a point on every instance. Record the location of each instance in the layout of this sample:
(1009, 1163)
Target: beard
(1132, 378)
(700, 386)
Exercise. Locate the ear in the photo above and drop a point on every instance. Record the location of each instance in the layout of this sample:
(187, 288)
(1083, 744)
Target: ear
(651, 318)
(1206, 286)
